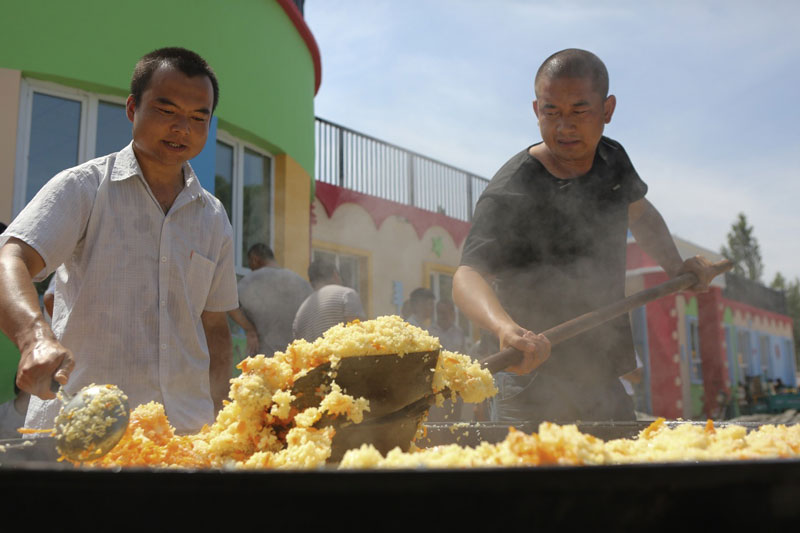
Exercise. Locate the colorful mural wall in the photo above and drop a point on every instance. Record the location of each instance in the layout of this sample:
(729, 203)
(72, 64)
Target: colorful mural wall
(702, 348)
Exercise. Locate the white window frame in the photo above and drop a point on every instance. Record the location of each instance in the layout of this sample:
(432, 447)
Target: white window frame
(237, 196)
(87, 133)
(692, 348)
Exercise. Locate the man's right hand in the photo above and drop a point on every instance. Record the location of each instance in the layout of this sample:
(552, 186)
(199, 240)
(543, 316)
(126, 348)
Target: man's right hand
(42, 357)
(252, 341)
(534, 347)
(46, 360)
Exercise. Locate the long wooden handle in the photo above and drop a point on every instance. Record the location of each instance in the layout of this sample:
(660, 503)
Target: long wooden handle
(511, 356)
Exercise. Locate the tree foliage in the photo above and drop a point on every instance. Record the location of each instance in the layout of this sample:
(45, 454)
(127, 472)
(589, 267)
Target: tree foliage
(791, 290)
(743, 250)
(778, 283)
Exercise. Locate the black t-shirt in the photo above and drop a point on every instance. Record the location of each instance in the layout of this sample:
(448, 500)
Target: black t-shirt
(557, 249)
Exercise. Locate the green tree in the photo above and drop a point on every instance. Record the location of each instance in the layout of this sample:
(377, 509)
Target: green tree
(743, 250)
(779, 282)
(793, 308)
(791, 291)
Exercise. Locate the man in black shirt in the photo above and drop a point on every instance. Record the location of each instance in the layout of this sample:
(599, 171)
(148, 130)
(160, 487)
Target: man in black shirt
(548, 243)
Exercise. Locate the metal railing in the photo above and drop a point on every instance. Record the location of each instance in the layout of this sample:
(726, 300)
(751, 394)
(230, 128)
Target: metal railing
(754, 293)
(356, 161)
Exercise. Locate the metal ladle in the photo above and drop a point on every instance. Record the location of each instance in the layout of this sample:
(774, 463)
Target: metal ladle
(106, 408)
(90, 423)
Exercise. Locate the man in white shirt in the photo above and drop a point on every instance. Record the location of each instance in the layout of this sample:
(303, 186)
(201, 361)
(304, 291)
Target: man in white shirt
(331, 303)
(269, 297)
(146, 257)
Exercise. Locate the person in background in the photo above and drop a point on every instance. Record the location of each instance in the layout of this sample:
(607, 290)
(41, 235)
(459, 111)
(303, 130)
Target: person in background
(145, 262)
(451, 337)
(405, 310)
(331, 303)
(421, 305)
(269, 297)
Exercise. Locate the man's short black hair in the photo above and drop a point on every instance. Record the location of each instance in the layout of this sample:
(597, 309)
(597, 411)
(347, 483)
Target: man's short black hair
(575, 63)
(320, 270)
(261, 251)
(420, 295)
(180, 59)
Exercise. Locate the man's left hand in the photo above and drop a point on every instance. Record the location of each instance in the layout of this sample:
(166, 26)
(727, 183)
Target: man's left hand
(700, 267)
(252, 341)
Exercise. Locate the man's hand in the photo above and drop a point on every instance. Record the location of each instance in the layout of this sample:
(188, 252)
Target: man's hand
(250, 331)
(700, 267)
(252, 341)
(220, 351)
(41, 363)
(42, 357)
(473, 295)
(535, 348)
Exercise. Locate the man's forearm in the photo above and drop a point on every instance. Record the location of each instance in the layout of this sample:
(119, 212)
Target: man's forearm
(220, 351)
(20, 317)
(653, 236)
(476, 299)
(42, 357)
(240, 318)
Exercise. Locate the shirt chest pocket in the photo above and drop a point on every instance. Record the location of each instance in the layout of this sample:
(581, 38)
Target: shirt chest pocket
(198, 281)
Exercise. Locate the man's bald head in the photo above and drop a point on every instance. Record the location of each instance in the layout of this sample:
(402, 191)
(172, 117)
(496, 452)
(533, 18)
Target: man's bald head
(574, 63)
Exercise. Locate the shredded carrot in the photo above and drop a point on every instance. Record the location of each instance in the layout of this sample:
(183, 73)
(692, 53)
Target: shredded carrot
(30, 431)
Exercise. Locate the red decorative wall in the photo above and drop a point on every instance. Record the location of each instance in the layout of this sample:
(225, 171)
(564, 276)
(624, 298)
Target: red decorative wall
(661, 324)
(712, 347)
(331, 197)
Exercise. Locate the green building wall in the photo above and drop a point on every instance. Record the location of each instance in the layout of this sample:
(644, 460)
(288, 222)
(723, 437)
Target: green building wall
(264, 66)
(267, 71)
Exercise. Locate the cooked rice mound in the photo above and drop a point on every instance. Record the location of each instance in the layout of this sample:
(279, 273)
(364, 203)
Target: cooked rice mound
(565, 445)
(259, 428)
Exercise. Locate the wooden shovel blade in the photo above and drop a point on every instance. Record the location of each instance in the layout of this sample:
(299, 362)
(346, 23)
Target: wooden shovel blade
(389, 382)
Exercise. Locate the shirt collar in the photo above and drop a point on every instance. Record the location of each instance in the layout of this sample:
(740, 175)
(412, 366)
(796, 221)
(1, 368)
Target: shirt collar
(126, 166)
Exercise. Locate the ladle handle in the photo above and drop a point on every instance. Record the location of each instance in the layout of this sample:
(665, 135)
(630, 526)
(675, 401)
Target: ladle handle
(55, 386)
(511, 356)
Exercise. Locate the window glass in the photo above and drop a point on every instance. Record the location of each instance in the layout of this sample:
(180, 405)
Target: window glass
(223, 177)
(321, 255)
(730, 343)
(113, 129)
(347, 265)
(55, 133)
(695, 361)
(352, 268)
(442, 287)
(743, 349)
(256, 202)
(764, 353)
(348, 270)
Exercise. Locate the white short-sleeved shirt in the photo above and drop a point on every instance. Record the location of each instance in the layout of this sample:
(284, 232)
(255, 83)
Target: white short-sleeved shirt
(269, 298)
(324, 308)
(132, 283)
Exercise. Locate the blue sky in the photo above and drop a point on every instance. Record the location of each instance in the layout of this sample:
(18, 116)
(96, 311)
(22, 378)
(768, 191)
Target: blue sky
(707, 94)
